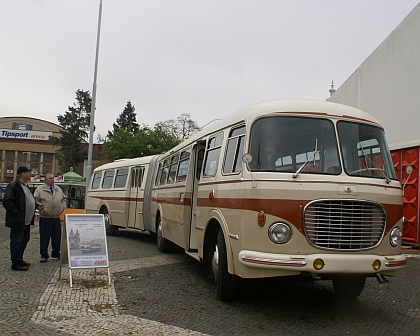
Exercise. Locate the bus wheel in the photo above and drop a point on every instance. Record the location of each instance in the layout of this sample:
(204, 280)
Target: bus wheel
(349, 286)
(227, 284)
(111, 230)
(163, 244)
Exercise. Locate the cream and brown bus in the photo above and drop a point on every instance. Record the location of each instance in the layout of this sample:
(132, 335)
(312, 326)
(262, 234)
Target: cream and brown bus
(117, 190)
(283, 188)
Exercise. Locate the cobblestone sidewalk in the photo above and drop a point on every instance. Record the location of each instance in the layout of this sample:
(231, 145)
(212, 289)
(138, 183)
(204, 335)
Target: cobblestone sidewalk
(38, 302)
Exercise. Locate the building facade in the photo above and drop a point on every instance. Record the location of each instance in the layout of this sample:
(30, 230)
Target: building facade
(25, 141)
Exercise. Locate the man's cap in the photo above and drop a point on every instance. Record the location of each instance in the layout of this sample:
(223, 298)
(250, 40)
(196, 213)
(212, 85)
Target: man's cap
(23, 170)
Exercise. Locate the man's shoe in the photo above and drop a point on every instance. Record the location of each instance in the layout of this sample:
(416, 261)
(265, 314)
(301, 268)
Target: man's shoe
(43, 260)
(25, 263)
(55, 257)
(19, 267)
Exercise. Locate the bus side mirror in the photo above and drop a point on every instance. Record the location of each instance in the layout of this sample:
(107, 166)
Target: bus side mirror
(247, 158)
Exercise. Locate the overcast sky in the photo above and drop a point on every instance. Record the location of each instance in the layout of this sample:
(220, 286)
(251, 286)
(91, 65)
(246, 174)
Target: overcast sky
(205, 58)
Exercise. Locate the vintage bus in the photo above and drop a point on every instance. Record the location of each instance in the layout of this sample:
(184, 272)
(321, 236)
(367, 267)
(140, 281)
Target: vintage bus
(280, 188)
(117, 191)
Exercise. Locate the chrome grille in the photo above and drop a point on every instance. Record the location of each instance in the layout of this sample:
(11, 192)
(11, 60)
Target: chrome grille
(344, 224)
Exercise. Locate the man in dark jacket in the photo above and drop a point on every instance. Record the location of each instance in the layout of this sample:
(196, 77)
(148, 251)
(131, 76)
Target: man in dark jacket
(20, 208)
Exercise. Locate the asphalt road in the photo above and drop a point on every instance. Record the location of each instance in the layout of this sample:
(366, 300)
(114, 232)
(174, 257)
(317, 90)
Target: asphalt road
(178, 294)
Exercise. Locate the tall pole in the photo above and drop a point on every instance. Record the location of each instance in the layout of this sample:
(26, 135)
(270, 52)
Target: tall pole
(92, 113)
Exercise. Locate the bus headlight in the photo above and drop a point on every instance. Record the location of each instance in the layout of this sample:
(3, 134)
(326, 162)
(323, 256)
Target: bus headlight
(279, 233)
(395, 237)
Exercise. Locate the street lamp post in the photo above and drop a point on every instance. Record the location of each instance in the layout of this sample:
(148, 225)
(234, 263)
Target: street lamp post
(92, 113)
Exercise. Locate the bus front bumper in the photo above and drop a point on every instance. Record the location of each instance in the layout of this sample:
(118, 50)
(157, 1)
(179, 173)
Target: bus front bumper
(332, 263)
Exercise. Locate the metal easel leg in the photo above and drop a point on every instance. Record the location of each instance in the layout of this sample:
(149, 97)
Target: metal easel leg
(71, 279)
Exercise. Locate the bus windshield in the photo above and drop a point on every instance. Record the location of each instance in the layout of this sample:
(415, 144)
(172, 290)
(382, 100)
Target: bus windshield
(285, 144)
(365, 151)
(305, 145)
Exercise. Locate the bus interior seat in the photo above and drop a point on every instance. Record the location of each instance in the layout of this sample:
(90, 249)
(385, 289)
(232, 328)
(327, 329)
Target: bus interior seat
(333, 170)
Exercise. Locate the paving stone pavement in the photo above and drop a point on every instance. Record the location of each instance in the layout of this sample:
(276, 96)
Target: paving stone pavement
(165, 294)
(37, 302)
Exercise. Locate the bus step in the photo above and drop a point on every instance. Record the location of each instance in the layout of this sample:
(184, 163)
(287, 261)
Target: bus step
(193, 254)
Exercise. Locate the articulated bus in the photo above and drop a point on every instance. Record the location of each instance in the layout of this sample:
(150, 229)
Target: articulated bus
(117, 190)
(281, 188)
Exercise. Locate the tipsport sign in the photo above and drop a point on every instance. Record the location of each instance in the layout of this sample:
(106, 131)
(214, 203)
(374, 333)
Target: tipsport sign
(22, 134)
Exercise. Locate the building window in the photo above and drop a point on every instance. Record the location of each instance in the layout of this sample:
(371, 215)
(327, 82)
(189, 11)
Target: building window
(22, 159)
(47, 167)
(21, 126)
(10, 162)
(34, 163)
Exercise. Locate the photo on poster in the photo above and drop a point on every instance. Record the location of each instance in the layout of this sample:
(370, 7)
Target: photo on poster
(86, 241)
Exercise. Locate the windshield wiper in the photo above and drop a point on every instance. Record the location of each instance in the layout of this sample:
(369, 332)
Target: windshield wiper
(313, 156)
(375, 167)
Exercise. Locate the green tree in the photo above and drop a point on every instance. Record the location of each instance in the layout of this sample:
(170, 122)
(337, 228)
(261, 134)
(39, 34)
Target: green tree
(74, 129)
(145, 142)
(126, 120)
(120, 145)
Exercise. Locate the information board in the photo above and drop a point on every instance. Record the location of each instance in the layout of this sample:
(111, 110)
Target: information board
(86, 241)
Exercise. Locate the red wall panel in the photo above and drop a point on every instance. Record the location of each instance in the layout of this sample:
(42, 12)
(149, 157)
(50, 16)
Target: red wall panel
(401, 159)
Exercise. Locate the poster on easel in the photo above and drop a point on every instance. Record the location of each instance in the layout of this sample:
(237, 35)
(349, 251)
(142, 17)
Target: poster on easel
(86, 241)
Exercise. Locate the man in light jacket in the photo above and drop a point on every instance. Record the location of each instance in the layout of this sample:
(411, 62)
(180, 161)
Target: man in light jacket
(54, 201)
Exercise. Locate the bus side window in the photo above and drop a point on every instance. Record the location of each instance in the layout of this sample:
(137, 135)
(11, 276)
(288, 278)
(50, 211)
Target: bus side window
(96, 180)
(159, 173)
(184, 161)
(235, 150)
(200, 157)
(213, 154)
(133, 177)
(173, 168)
(140, 177)
(164, 173)
(121, 178)
(108, 179)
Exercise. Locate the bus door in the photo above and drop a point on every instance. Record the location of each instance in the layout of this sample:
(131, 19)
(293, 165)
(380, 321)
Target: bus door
(135, 199)
(198, 154)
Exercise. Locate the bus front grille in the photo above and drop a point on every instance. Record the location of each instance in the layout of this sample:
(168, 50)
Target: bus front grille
(344, 224)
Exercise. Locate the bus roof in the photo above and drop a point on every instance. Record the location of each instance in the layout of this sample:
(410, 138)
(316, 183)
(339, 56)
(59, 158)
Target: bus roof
(121, 163)
(300, 106)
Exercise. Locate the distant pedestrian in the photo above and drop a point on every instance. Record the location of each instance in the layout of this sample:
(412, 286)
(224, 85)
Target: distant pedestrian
(20, 208)
(54, 201)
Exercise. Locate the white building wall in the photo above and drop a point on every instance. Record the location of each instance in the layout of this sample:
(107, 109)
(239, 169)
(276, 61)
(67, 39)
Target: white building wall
(387, 84)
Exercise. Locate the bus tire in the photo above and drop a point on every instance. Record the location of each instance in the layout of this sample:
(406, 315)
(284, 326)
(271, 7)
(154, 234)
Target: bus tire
(163, 244)
(111, 230)
(349, 286)
(227, 284)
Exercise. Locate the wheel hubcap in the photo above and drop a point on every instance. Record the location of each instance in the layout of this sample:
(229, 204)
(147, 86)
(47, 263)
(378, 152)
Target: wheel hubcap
(159, 233)
(215, 263)
(106, 220)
